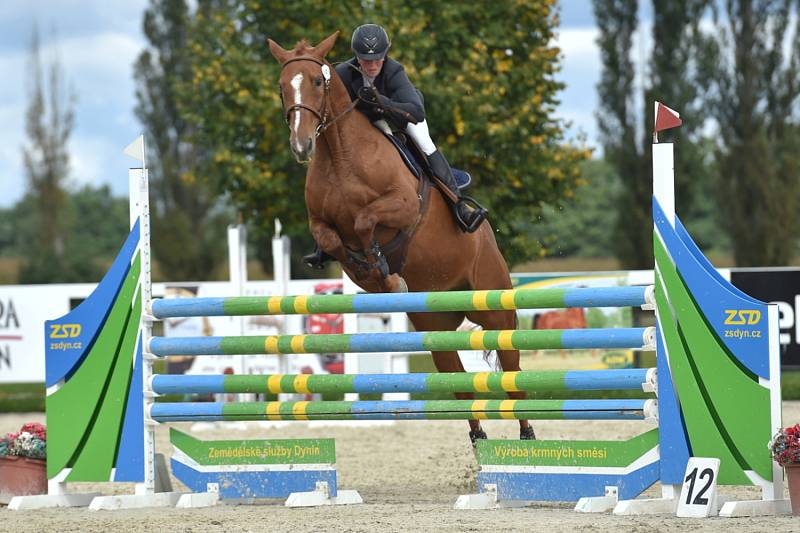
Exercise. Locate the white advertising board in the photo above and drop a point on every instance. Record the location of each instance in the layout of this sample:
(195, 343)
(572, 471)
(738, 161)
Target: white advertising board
(23, 311)
(25, 308)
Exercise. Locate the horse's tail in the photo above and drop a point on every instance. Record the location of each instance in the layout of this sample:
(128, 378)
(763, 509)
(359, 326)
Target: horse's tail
(487, 356)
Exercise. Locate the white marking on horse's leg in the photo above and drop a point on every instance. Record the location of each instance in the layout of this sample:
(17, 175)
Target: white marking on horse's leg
(297, 81)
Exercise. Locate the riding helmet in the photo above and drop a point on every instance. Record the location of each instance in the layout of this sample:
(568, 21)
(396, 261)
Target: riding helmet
(370, 42)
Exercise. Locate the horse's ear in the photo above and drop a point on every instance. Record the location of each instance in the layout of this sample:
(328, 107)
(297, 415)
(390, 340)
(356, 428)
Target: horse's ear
(322, 49)
(277, 52)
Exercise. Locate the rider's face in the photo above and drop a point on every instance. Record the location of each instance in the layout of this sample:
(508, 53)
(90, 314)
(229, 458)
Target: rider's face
(371, 67)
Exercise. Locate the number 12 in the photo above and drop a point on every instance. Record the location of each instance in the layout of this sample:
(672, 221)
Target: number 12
(691, 478)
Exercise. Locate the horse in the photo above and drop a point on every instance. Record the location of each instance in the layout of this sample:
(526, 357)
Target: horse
(361, 199)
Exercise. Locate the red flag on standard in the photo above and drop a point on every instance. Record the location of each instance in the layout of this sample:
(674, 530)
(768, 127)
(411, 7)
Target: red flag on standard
(666, 118)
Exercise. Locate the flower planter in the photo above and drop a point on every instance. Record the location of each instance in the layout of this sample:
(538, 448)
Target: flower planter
(21, 476)
(793, 485)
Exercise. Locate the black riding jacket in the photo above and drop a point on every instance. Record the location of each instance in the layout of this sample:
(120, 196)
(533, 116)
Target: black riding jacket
(397, 92)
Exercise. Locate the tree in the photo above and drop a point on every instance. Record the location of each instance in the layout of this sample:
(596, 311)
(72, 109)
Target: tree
(626, 133)
(63, 236)
(490, 93)
(94, 224)
(187, 215)
(580, 227)
(48, 123)
(617, 122)
(752, 75)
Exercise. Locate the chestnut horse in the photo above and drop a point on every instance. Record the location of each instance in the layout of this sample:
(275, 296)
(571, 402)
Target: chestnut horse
(359, 195)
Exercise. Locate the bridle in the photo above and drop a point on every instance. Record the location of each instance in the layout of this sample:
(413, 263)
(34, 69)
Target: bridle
(322, 114)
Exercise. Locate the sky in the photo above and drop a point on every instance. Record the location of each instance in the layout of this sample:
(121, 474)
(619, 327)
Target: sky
(97, 42)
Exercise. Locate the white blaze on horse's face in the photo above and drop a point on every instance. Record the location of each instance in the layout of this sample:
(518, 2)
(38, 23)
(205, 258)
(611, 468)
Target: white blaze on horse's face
(304, 98)
(297, 83)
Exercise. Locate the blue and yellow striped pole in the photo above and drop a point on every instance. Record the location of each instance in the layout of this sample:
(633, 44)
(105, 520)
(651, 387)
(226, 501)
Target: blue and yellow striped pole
(407, 410)
(409, 302)
(406, 342)
(615, 379)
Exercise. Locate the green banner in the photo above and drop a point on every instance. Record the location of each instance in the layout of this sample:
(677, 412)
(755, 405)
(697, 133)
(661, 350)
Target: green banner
(566, 452)
(255, 452)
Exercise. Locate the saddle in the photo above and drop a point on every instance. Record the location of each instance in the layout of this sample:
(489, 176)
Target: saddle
(416, 161)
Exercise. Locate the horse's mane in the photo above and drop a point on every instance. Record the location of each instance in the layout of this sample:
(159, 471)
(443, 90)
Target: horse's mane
(302, 48)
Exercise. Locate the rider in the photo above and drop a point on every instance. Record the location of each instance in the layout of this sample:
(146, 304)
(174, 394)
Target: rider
(384, 92)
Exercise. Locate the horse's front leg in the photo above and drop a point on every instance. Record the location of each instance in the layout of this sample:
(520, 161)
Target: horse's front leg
(390, 211)
(327, 239)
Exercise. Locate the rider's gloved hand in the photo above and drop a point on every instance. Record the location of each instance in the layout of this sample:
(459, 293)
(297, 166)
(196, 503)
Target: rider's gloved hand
(368, 95)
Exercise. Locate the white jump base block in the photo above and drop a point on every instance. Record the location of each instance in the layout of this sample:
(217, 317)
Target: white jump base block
(599, 504)
(321, 496)
(756, 508)
(45, 501)
(486, 500)
(135, 501)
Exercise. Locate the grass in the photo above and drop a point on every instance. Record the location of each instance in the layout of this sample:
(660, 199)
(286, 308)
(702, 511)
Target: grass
(22, 398)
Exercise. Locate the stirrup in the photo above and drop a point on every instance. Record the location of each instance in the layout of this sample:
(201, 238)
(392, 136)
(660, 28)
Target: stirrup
(317, 259)
(479, 214)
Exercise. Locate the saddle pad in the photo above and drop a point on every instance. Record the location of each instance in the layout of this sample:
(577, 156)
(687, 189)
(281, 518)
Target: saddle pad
(409, 159)
(462, 177)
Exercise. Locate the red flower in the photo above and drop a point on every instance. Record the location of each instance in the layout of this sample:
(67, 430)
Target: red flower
(785, 445)
(36, 429)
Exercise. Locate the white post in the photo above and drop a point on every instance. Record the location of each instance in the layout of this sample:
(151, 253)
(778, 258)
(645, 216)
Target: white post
(664, 179)
(281, 252)
(774, 490)
(351, 360)
(140, 208)
(664, 192)
(237, 266)
(282, 270)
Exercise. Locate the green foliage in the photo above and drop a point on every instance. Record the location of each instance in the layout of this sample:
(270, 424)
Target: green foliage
(790, 385)
(626, 144)
(94, 223)
(22, 398)
(98, 222)
(49, 119)
(60, 236)
(703, 217)
(581, 227)
(7, 228)
(751, 70)
(617, 122)
(187, 216)
(487, 75)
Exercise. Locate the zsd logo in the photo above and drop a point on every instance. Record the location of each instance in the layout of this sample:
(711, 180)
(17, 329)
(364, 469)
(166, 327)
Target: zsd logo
(64, 331)
(742, 317)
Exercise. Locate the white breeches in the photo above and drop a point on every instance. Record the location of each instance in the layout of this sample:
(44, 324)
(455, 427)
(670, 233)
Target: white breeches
(419, 132)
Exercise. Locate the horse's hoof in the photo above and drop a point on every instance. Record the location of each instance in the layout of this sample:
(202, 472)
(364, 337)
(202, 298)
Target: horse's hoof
(475, 435)
(527, 433)
(396, 283)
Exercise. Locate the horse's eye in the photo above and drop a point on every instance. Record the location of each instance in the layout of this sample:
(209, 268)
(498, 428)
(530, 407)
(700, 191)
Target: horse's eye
(318, 81)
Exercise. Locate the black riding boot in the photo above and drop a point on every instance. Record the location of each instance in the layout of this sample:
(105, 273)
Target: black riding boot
(468, 218)
(317, 259)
